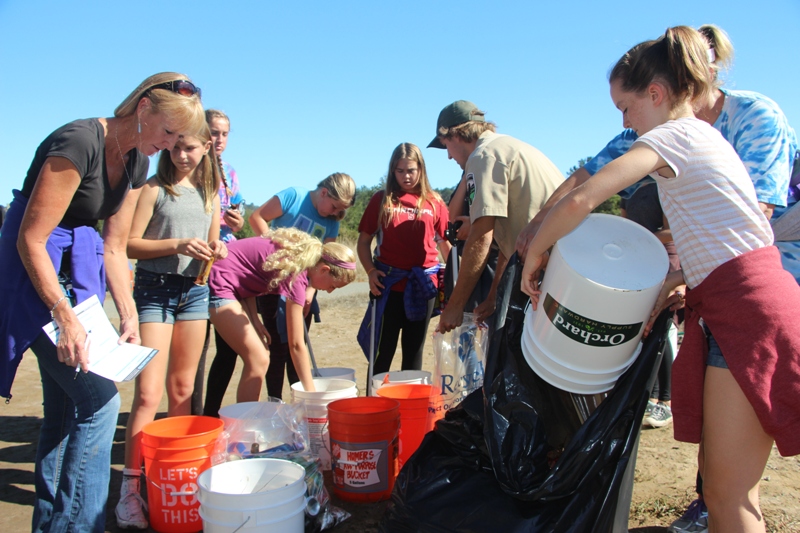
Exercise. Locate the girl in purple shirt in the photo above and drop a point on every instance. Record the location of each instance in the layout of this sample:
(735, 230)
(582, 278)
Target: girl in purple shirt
(285, 261)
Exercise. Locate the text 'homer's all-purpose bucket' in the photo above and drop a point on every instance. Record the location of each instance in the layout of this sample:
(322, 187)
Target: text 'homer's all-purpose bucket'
(599, 289)
(316, 404)
(364, 446)
(176, 451)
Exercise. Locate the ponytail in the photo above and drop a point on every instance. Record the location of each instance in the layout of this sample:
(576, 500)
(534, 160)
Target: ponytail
(722, 47)
(678, 59)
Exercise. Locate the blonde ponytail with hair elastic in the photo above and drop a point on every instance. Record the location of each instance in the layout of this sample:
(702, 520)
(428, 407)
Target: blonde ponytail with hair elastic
(721, 49)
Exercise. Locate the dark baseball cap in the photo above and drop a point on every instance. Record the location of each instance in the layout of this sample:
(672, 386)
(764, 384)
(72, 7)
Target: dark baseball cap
(454, 114)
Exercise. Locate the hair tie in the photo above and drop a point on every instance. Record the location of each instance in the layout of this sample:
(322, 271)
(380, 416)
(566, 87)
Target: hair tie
(341, 264)
(711, 54)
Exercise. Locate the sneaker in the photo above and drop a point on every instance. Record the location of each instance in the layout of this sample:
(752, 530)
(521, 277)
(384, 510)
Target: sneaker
(660, 416)
(694, 520)
(649, 408)
(131, 512)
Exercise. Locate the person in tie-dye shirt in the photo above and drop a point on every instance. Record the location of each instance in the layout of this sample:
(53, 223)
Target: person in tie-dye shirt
(753, 124)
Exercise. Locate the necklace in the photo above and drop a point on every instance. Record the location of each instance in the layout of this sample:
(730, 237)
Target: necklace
(711, 115)
(124, 166)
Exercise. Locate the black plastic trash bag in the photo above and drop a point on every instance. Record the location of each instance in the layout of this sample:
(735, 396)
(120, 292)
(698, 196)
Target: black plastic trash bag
(518, 455)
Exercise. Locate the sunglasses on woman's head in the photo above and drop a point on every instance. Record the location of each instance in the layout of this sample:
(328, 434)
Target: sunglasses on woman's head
(182, 87)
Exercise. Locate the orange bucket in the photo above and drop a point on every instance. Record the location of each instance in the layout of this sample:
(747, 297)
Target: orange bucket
(182, 431)
(364, 444)
(176, 451)
(413, 415)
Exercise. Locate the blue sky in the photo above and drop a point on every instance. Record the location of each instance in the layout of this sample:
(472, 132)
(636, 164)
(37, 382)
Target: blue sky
(318, 87)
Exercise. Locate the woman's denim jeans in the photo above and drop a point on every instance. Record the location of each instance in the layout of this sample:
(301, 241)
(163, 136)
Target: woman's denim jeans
(73, 459)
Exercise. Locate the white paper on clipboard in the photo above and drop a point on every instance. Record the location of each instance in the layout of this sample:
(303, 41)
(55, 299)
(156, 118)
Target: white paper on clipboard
(107, 358)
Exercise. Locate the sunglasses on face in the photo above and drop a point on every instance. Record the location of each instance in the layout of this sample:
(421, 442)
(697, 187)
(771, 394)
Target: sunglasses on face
(182, 87)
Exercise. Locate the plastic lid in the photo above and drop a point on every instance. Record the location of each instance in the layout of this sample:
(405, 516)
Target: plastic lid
(615, 252)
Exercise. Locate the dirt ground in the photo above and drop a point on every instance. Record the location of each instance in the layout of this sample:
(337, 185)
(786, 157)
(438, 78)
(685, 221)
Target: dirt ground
(665, 469)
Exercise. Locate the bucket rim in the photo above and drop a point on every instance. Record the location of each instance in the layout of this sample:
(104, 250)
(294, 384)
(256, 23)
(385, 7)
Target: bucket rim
(338, 406)
(344, 385)
(563, 384)
(203, 480)
(171, 422)
(576, 376)
(399, 388)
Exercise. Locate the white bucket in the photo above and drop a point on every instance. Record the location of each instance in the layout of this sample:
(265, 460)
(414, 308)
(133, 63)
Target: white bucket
(251, 484)
(400, 377)
(599, 289)
(338, 373)
(316, 404)
(259, 520)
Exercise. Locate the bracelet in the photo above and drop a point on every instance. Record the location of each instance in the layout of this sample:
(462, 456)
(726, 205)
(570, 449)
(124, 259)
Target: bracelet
(52, 309)
(370, 271)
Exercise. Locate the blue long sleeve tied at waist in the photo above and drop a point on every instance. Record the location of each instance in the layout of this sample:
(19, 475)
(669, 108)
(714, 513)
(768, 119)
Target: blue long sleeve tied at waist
(419, 289)
(22, 311)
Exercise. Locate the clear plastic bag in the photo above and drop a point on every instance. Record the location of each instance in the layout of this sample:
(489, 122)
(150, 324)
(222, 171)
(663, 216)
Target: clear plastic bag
(459, 363)
(280, 431)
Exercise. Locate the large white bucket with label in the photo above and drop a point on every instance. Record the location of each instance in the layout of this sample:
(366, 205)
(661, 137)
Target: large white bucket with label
(253, 494)
(316, 404)
(599, 289)
(400, 377)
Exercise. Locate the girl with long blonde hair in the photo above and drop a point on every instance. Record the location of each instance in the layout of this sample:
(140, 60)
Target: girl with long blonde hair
(407, 217)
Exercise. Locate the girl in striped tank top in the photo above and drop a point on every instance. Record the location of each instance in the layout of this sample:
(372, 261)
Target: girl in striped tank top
(746, 376)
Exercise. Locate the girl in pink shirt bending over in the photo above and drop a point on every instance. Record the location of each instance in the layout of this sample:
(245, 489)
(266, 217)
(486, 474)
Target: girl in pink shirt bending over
(284, 261)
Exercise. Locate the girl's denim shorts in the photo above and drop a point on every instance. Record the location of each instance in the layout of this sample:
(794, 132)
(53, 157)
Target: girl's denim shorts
(715, 357)
(167, 298)
(216, 302)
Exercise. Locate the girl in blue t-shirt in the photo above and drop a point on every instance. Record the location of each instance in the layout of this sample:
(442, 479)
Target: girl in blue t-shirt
(317, 213)
(175, 229)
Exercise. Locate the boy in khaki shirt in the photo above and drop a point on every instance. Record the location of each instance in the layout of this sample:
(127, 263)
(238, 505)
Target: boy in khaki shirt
(507, 181)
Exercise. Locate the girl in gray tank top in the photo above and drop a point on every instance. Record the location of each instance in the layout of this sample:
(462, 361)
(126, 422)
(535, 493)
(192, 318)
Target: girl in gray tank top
(175, 230)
